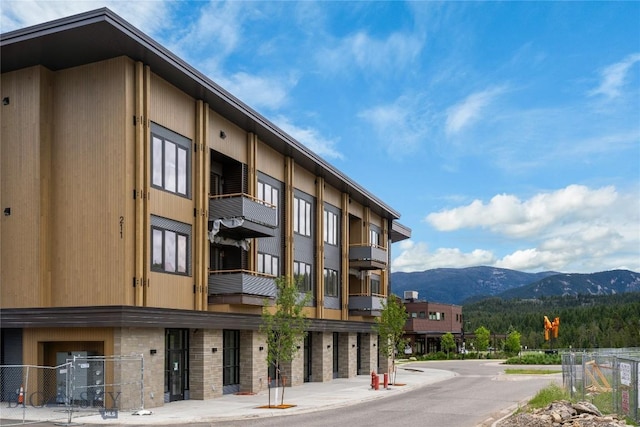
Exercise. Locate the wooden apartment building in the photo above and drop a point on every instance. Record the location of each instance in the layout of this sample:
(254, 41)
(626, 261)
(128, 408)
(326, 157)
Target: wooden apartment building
(148, 211)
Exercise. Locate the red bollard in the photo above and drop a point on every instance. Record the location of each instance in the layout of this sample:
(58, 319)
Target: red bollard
(373, 379)
(377, 383)
(386, 380)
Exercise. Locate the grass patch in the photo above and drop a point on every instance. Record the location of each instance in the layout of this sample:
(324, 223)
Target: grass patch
(532, 371)
(547, 395)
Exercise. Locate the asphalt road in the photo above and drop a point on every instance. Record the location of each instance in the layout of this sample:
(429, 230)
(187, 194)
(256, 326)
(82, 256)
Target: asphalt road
(480, 394)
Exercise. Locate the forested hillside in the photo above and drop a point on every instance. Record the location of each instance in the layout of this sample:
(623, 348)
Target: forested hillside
(586, 321)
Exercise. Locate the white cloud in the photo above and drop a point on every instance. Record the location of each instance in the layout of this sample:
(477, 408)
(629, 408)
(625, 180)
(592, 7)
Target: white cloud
(574, 229)
(402, 125)
(415, 256)
(23, 13)
(395, 52)
(311, 138)
(614, 76)
(508, 215)
(257, 91)
(470, 110)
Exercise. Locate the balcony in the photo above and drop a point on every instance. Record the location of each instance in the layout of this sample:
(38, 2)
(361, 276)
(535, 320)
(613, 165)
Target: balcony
(367, 257)
(240, 287)
(366, 305)
(240, 216)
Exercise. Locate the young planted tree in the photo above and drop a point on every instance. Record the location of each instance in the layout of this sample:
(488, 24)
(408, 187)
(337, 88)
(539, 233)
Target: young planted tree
(284, 326)
(448, 343)
(482, 338)
(512, 343)
(390, 328)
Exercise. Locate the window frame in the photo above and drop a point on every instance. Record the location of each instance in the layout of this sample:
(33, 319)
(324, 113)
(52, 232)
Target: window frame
(330, 227)
(301, 216)
(305, 285)
(273, 263)
(331, 283)
(265, 188)
(172, 176)
(170, 239)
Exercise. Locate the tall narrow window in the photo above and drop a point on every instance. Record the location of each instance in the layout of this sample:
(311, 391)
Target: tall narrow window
(301, 216)
(375, 284)
(268, 194)
(374, 238)
(330, 282)
(302, 275)
(330, 228)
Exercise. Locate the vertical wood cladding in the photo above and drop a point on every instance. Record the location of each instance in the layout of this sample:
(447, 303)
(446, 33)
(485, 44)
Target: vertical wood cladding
(88, 182)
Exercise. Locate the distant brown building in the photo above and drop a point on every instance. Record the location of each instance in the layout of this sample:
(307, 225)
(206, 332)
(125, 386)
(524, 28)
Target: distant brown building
(428, 321)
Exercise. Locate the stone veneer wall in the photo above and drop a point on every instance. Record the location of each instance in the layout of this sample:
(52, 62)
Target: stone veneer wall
(347, 355)
(322, 357)
(294, 370)
(132, 341)
(368, 354)
(253, 361)
(205, 364)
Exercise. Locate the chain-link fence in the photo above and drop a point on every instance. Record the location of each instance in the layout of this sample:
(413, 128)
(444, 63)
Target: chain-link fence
(609, 379)
(82, 386)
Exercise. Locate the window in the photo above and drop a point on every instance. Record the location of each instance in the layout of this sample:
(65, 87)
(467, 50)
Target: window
(414, 315)
(269, 194)
(432, 315)
(170, 161)
(268, 264)
(301, 216)
(374, 238)
(423, 315)
(170, 248)
(302, 275)
(375, 284)
(330, 282)
(330, 228)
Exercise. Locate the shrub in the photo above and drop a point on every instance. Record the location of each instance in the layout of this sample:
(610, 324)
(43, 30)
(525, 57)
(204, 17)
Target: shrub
(535, 359)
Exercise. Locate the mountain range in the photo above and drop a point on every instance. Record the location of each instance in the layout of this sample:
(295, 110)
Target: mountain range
(464, 285)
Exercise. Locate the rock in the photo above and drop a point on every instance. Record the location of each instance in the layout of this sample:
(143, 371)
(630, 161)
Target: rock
(563, 414)
(586, 408)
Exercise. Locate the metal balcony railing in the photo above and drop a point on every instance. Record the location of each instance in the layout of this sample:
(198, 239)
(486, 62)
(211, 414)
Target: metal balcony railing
(367, 257)
(240, 287)
(241, 216)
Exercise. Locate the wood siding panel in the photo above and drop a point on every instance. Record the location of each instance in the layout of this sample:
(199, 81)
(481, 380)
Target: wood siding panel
(172, 108)
(20, 188)
(270, 162)
(332, 195)
(234, 144)
(170, 291)
(33, 340)
(89, 184)
(305, 181)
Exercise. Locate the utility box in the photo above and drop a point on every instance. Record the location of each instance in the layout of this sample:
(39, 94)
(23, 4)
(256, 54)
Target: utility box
(82, 382)
(410, 295)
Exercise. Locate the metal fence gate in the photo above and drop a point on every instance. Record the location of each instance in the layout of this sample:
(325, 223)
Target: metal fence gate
(82, 386)
(612, 378)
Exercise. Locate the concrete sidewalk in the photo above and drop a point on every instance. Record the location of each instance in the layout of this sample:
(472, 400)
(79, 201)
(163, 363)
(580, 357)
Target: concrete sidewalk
(306, 398)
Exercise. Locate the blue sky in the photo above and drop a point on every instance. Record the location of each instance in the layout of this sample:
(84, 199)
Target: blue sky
(505, 133)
